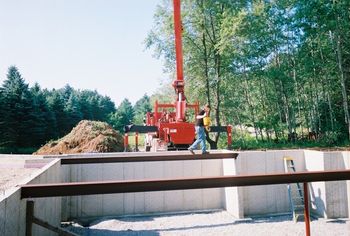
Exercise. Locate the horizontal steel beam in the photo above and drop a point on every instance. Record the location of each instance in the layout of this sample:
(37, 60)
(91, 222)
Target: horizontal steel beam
(149, 129)
(214, 129)
(146, 158)
(87, 188)
(140, 128)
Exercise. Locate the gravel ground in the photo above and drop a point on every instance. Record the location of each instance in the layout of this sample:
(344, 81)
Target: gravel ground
(209, 223)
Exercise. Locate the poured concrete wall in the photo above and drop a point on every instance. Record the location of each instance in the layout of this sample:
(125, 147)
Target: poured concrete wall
(13, 209)
(265, 199)
(147, 202)
(328, 199)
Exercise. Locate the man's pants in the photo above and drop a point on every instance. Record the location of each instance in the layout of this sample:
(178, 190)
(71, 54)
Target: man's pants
(200, 139)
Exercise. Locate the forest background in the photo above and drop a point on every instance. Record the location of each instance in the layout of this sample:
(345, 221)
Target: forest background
(278, 71)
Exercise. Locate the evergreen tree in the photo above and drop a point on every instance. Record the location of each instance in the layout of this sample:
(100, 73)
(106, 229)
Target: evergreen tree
(141, 107)
(123, 116)
(56, 105)
(17, 107)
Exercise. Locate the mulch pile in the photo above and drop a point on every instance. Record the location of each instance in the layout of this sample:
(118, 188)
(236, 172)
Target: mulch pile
(86, 137)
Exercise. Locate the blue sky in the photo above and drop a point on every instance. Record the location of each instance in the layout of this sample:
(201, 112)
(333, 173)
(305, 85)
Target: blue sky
(89, 44)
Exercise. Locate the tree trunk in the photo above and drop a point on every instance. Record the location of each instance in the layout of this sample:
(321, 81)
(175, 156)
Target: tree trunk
(343, 82)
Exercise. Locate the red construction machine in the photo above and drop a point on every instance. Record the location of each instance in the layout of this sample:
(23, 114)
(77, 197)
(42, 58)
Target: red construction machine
(167, 127)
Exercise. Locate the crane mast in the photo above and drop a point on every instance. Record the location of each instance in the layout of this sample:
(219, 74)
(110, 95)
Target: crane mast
(166, 127)
(179, 83)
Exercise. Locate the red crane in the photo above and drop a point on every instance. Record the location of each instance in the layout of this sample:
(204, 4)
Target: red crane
(167, 126)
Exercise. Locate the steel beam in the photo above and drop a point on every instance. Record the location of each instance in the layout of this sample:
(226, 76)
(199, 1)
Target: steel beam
(87, 188)
(147, 158)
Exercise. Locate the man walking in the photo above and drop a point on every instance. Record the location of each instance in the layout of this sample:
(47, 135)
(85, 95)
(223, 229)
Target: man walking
(199, 126)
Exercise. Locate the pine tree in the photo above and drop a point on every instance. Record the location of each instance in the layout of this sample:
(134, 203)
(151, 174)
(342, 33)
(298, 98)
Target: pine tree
(141, 107)
(18, 107)
(123, 116)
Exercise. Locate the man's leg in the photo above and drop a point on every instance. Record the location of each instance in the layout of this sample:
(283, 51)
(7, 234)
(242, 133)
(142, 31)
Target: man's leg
(195, 144)
(201, 137)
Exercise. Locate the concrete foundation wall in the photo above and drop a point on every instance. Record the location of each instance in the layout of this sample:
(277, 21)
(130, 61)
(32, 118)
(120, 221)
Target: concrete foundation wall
(13, 209)
(147, 202)
(328, 199)
(266, 199)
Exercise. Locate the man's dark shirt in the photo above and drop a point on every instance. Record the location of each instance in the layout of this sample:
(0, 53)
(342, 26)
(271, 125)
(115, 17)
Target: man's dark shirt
(199, 122)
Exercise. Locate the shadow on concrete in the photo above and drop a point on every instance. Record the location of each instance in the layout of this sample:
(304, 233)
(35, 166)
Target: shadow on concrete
(335, 191)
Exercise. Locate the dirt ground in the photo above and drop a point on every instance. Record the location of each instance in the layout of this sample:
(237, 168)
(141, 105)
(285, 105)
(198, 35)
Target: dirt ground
(86, 137)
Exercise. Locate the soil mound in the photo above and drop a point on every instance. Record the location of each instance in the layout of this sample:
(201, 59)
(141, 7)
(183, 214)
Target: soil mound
(87, 136)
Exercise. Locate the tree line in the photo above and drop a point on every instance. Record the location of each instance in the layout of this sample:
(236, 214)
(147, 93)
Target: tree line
(31, 116)
(280, 67)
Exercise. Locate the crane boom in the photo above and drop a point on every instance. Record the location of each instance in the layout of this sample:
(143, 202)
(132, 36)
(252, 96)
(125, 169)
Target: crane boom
(179, 83)
(167, 126)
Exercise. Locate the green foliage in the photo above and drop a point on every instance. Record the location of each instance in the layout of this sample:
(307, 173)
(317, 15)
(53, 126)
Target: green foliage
(31, 116)
(279, 67)
(141, 107)
(123, 116)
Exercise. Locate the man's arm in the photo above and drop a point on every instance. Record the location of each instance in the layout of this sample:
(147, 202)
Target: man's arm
(201, 115)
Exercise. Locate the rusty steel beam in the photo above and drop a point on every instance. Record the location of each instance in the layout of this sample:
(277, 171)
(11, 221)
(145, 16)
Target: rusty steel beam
(106, 187)
(146, 158)
(306, 210)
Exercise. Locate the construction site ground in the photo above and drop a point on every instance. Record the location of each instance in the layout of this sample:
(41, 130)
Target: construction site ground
(210, 223)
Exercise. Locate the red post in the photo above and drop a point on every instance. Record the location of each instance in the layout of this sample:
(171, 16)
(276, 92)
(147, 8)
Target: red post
(126, 142)
(306, 210)
(229, 137)
(137, 141)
